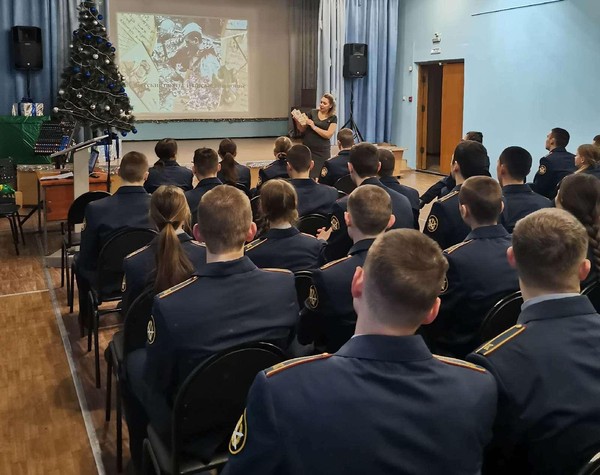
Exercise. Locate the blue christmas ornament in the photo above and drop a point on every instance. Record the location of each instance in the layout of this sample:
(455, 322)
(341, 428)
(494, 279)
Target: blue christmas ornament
(102, 79)
(134, 131)
(122, 89)
(87, 74)
(75, 32)
(124, 134)
(88, 37)
(113, 49)
(99, 40)
(76, 69)
(109, 44)
(93, 10)
(111, 86)
(100, 17)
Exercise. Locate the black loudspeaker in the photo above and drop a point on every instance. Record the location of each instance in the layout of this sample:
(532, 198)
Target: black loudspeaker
(355, 60)
(27, 47)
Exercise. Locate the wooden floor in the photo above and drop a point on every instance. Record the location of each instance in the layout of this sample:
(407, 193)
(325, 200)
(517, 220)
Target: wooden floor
(42, 424)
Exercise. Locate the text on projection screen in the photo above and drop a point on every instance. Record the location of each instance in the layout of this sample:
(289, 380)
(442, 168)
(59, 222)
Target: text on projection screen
(183, 65)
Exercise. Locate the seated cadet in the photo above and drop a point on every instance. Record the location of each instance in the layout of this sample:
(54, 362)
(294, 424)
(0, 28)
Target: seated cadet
(127, 208)
(478, 275)
(447, 184)
(337, 167)
(520, 200)
(278, 168)
(329, 317)
(556, 165)
(363, 166)
(386, 176)
(231, 172)
(227, 302)
(166, 171)
(579, 194)
(587, 160)
(172, 256)
(281, 245)
(444, 224)
(312, 196)
(547, 365)
(597, 140)
(383, 404)
(206, 166)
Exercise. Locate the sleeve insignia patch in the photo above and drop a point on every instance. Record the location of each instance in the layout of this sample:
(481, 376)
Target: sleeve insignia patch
(445, 285)
(542, 170)
(432, 223)
(151, 330)
(335, 223)
(313, 298)
(123, 285)
(83, 225)
(239, 436)
(324, 172)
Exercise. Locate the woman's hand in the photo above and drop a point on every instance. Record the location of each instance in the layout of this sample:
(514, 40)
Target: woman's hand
(310, 123)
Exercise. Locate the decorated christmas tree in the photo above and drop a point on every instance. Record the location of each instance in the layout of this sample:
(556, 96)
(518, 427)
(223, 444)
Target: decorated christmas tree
(92, 91)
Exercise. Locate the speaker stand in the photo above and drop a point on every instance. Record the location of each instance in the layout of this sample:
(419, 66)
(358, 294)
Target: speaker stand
(350, 124)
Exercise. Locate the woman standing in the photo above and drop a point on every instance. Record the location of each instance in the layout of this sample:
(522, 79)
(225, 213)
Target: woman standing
(318, 130)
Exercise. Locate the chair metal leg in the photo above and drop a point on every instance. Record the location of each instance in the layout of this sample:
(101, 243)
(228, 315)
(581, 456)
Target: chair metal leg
(14, 232)
(20, 224)
(96, 318)
(108, 388)
(90, 319)
(119, 426)
(63, 265)
(70, 296)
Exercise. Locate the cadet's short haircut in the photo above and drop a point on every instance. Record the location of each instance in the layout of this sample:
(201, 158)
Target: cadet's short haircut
(474, 135)
(404, 272)
(370, 208)
(279, 201)
(224, 217)
(364, 159)
(517, 161)
(472, 158)
(299, 157)
(134, 166)
(166, 149)
(483, 196)
(387, 160)
(549, 246)
(561, 137)
(597, 140)
(346, 138)
(206, 161)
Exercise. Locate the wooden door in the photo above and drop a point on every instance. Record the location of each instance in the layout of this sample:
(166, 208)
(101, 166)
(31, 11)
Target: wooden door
(422, 117)
(453, 82)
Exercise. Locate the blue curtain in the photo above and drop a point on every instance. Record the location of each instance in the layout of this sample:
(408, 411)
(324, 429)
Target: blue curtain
(57, 19)
(374, 22)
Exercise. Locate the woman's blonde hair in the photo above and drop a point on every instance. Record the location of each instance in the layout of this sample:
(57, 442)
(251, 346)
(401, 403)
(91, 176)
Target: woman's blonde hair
(331, 100)
(589, 154)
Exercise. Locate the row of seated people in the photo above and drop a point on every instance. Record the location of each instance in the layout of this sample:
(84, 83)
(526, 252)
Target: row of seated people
(348, 223)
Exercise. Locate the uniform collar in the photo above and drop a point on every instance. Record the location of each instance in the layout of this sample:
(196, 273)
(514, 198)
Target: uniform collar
(511, 189)
(558, 307)
(130, 189)
(361, 246)
(209, 181)
(372, 181)
(222, 269)
(303, 182)
(487, 232)
(388, 179)
(281, 233)
(344, 153)
(386, 348)
(558, 149)
(171, 163)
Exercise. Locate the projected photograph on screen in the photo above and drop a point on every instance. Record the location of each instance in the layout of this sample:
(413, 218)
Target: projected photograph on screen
(182, 65)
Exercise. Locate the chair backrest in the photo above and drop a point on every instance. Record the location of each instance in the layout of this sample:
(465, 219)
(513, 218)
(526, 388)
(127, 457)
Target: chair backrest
(255, 206)
(8, 172)
(77, 209)
(592, 292)
(311, 223)
(345, 184)
(212, 398)
(136, 320)
(592, 467)
(110, 260)
(303, 279)
(501, 317)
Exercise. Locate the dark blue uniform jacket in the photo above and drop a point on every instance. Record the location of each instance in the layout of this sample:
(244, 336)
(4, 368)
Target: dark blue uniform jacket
(314, 198)
(553, 168)
(194, 196)
(335, 168)
(275, 169)
(444, 223)
(171, 173)
(519, 201)
(243, 173)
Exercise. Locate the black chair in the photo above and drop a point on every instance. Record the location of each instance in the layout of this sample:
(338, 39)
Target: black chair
(592, 467)
(341, 194)
(206, 409)
(255, 206)
(109, 276)
(10, 210)
(311, 223)
(132, 337)
(71, 239)
(592, 292)
(501, 317)
(345, 184)
(303, 280)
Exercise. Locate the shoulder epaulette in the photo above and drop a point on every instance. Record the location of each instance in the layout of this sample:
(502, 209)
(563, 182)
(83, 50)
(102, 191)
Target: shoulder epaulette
(275, 269)
(196, 243)
(177, 287)
(461, 363)
(136, 252)
(278, 368)
(500, 340)
(269, 165)
(332, 263)
(255, 243)
(451, 249)
(449, 195)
